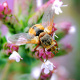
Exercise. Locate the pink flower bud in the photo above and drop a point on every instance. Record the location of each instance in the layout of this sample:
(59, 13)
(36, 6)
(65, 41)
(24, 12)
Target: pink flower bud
(9, 48)
(68, 47)
(65, 26)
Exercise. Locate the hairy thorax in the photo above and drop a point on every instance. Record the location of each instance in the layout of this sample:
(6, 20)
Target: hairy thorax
(45, 39)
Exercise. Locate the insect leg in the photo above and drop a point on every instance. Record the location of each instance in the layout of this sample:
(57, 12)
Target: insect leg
(56, 44)
(45, 54)
(36, 47)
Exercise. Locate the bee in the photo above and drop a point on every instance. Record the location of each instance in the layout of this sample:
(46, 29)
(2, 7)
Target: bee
(40, 34)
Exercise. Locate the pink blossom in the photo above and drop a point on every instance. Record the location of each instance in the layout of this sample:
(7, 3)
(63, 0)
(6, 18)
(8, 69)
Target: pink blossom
(68, 47)
(51, 1)
(44, 56)
(49, 54)
(65, 26)
(54, 29)
(13, 47)
(4, 7)
(5, 4)
(7, 11)
(9, 51)
(41, 53)
(9, 48)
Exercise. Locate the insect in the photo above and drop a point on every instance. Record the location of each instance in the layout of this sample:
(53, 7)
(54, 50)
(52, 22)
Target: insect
(40, 34)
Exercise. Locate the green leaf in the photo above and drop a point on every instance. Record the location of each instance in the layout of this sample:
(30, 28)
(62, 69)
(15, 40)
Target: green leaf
(61, 53)
(2, 41)
(2, 61)
(60, 35)
(25, 54)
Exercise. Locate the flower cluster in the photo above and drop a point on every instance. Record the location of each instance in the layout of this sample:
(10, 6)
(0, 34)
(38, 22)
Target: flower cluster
(9, 48)
(4, 10)
(43, 54)
(57, 6)
(47, 66)
(59, 72)
(13, 50)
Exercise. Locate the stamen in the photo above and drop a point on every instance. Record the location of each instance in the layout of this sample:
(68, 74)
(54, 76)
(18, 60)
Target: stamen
(56, 36)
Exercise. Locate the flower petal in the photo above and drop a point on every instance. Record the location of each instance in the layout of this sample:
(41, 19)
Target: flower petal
(50, 67)
(15, 56)
(46, 70)
(17, 59)
(43, 66)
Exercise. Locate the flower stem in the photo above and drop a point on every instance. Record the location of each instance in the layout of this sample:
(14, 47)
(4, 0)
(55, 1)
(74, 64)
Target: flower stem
(5, 70)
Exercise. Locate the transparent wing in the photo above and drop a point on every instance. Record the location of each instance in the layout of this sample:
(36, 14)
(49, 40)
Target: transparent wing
(48, 16)
(22, 38)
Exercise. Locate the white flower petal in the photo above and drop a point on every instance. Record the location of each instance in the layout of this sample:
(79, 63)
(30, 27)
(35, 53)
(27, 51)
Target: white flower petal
(43, 66)
(57, 6)
(48, 62)
(47, 66)
(15, 56)
(36, 72)
(57, 12)
(46, 70)
(50, 67)
(44, 60)
(17, 59)
(54, 77)
(39, 3)
(59, 9)
(72, 30)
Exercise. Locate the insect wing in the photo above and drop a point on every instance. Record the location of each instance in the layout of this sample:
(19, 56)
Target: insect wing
(21, 38)
(48, 17)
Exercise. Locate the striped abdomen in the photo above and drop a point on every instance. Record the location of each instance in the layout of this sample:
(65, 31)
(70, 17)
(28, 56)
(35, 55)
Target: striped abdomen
(36, 29)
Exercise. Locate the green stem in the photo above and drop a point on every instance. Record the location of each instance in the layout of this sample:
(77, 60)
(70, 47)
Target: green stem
(5, 70)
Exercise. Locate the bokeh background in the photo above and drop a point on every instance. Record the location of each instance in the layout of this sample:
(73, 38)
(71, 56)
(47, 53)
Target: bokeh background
(71, 61)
